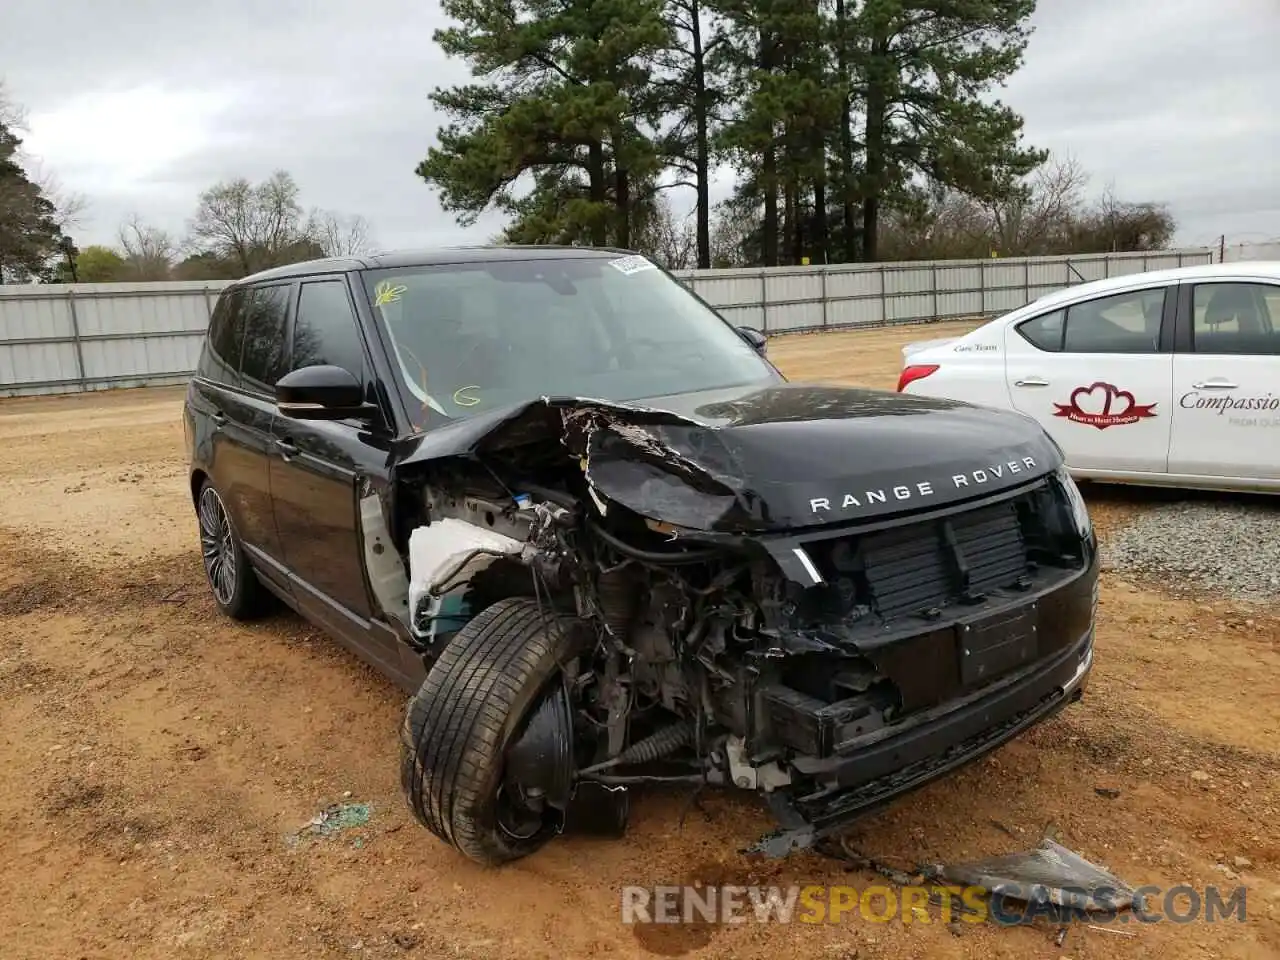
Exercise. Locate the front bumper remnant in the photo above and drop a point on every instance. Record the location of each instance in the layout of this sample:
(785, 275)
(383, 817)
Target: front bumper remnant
(929, 748)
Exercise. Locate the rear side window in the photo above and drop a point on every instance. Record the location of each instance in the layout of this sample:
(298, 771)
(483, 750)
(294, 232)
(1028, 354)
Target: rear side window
(1044, 331)
(325, 329)
(1122, 323)
(220, 359)
(266, 312)
(1235, 318)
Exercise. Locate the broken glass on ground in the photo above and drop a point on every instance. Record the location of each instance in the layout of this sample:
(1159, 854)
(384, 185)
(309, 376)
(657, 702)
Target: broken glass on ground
(333, 819)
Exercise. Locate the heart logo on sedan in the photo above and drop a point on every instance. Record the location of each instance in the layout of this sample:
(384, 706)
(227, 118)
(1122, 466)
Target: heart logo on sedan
(1103, 405)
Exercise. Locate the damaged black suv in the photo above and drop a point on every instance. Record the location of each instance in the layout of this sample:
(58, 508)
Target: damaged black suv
(603, 542)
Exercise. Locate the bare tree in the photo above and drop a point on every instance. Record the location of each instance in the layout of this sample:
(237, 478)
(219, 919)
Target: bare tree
(731, 228)
(341, 236)
(253, 226)
(669, 239)
(69, 206)
(149, 252)
(1039, 216)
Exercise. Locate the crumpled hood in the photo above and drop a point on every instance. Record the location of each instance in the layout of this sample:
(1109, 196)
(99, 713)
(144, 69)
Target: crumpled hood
(773, 457)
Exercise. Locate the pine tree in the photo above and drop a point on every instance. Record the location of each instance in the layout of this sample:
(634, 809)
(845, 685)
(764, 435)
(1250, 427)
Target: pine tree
(922, 68)
(31, 240)
(693, 102)
(564, 93)
(779, 76)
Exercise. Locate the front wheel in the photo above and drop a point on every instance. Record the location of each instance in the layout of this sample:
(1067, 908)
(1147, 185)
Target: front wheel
(496, 688)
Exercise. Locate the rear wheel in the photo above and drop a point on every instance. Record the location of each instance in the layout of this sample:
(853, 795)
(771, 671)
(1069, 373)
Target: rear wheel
(486, 746)
(234, 585)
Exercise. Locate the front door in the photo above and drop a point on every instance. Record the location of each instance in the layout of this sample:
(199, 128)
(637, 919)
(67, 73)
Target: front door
(316, 472)
(1227, 381)
(1097, 375)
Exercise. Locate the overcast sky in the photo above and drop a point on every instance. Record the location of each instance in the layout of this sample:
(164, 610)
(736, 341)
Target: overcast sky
(140, 104)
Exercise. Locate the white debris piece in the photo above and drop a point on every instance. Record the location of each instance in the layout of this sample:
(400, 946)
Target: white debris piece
(446, 554)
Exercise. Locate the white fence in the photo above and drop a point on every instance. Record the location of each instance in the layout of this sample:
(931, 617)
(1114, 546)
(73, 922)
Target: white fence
(65, 338)
(1269, 250)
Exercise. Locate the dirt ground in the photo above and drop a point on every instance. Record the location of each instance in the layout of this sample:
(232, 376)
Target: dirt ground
(156, 757)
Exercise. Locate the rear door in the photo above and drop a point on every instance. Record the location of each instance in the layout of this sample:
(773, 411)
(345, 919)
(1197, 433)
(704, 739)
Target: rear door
(266, 311)
(1226, 373)
(1097, 374)
(236, 464)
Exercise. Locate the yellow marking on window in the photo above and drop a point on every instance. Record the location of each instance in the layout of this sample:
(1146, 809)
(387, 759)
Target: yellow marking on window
(387, 292)
(462, 399)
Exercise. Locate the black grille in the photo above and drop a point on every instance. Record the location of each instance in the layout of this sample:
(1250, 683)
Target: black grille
(923, 567)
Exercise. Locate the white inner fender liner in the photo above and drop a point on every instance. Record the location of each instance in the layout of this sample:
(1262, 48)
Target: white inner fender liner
(446, 554)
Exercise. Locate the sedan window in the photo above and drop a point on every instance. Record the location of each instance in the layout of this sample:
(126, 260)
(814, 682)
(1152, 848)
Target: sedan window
(1121, 323)
(1044, 331)
(1235, 318)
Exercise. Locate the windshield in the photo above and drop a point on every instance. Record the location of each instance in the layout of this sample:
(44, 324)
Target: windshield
(475, 336)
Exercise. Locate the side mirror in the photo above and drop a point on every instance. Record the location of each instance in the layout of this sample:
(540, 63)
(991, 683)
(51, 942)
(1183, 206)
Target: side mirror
(321, 393)
(754, 337)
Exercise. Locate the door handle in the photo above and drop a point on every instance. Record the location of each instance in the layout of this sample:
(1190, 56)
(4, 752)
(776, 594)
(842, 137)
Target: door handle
(1031, 382)
(218, 417)
(1215, 385)
(287, 447)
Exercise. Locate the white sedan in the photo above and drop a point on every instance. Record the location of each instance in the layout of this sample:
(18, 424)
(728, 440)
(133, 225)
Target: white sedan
(1169, 378)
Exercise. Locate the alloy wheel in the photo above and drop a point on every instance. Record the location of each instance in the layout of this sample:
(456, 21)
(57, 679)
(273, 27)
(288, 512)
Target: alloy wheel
(217, 546)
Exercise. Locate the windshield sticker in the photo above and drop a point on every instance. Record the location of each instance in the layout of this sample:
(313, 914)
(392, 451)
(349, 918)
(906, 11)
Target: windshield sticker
(1103, 405)
(387, 292)
(633, 264)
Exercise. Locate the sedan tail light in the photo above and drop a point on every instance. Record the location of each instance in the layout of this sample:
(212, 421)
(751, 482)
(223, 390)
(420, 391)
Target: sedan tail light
(914, 372)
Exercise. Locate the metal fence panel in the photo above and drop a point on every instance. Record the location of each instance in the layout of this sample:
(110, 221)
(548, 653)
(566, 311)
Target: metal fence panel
(35, 363)
(65, 338)
(34, 319)
(1270, 250)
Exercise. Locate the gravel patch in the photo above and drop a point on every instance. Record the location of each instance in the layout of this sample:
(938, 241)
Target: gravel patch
(1224, 548)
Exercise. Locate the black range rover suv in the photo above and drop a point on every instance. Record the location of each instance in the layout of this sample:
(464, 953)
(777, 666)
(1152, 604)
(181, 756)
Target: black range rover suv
(602, 541)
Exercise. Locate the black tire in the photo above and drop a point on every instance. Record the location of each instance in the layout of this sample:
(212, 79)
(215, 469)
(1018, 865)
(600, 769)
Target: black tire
(473, 703)
(235, 587)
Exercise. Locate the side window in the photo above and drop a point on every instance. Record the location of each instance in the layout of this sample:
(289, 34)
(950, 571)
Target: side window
(1122, 323)
(1235, 318)
(266, 310)
(325, 330)
(1044, 331)
(220, 358)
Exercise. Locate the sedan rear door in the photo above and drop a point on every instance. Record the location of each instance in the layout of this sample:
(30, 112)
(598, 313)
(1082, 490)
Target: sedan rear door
(1097, 374)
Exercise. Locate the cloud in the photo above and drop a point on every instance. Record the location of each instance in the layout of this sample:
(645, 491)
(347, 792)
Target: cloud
(1167, 99)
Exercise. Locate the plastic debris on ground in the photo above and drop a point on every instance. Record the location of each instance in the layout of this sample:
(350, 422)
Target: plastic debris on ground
(334, 819)
(1050, 873)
